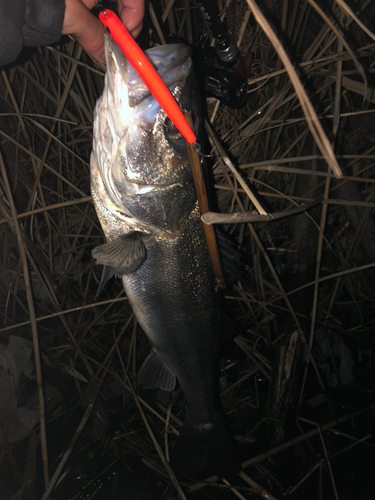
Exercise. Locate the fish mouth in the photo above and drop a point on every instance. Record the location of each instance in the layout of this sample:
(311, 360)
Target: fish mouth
(172, 62)
(145, 148)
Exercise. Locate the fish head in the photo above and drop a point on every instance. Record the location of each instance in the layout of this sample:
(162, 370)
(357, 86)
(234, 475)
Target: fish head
(140, 166)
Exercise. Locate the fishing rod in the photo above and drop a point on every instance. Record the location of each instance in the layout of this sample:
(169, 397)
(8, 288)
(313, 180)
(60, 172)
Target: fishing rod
(225, 46)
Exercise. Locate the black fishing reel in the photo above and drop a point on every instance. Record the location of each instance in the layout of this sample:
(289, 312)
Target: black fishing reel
(218, 80)
(222, 70)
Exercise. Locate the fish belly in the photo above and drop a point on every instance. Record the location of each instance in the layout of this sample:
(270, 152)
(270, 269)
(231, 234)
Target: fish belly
(173, 297)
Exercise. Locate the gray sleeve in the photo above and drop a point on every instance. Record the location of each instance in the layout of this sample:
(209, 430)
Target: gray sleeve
(43, 21)
(28, 22)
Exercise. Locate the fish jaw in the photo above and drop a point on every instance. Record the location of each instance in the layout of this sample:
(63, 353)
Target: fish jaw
(144, 169)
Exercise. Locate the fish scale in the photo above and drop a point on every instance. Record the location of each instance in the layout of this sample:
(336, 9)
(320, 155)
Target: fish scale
(156, 243)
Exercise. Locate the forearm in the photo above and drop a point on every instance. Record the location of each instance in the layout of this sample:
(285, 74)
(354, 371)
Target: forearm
(28, 22)
(41, 22)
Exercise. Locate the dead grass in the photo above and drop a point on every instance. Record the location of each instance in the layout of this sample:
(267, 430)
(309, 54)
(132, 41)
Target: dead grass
(308, 120)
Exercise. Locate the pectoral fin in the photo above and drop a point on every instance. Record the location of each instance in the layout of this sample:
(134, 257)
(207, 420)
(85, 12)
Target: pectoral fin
(124, 255)
(155, 374)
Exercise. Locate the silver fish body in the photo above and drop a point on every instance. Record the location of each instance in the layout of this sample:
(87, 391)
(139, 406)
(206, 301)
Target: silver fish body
(143, 192)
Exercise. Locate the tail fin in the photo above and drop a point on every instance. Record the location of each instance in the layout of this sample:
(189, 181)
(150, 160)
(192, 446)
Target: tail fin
(205, 450)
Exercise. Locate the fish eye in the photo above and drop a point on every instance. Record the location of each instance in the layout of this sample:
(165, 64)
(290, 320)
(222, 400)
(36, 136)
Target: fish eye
(173, 135)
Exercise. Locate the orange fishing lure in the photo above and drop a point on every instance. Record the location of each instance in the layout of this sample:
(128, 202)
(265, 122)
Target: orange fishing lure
(146, 71)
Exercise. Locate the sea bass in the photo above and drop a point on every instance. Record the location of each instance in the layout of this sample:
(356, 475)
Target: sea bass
(144, 196)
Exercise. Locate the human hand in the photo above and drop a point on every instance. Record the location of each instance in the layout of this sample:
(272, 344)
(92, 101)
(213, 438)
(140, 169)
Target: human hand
(88, 30)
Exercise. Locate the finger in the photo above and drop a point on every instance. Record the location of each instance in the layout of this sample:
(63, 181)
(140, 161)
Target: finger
(86, 28)
(90, 4)
(131, 13)
(91, 39)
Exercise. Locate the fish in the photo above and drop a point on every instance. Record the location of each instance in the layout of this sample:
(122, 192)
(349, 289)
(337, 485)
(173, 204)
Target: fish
(144, 196)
